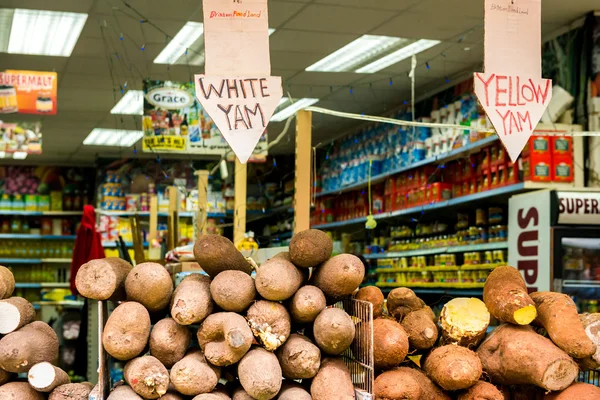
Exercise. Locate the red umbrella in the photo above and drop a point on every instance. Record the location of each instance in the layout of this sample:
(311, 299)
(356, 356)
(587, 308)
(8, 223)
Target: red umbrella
(88, 244)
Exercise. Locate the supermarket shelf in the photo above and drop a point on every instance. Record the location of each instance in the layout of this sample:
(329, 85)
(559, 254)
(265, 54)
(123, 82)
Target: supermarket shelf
(111, 244)
(574, 284)
(478, 247)
(56, 260)
(20, 260)
(64, 303)
(439, 250)
(476, 267)
(28, 236)
(42, 213)
(42, 285)
(185, 214)
(452, 155)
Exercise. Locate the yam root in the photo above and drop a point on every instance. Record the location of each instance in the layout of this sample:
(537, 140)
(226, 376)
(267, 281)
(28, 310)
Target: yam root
(306, 304)
(310, 248)
(591, 326)
(332, 382)
(299, 358)
(233, 291)
(577, 391)
(191, 302)
(7, 283)
(453, 367)
(481, 391)
(334, 331)
(407, 384)
(464, 321)
(421, 328)
(147, 377)
(224, 338)
(103, 279)
(44, 377)
(293, 391)
(72, 391)
(505, 295)
(260, 374)
(373, 295)
(192, 375)
(557, 313)
(169, 341)
(401, 301)
(126, 331)
(278, 279)
(216, 253)
(516, 355)
(19, 391)
(123, 393)
(15, 312)
(339, 276)
(149, 284)
(22, 349)
(390, 343)
(270, 323)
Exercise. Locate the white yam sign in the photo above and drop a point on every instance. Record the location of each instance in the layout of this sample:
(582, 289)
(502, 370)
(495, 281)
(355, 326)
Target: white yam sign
(237, 90)
(512, 91)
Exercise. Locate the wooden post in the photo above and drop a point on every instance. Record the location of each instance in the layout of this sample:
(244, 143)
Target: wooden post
(303, 168)
(173, 218)
(239, 212)
(202, 201)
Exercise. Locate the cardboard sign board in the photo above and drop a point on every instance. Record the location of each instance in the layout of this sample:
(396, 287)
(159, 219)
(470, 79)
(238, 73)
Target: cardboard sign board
(512, 91)
(28, 92)
(21, 136)
(579, 208)
(237, 90)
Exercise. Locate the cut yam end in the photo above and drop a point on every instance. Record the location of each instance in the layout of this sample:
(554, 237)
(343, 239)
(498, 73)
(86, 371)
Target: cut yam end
(44, 377)
(559, 375)
(15, 312)
(464, 321)
(525, 315)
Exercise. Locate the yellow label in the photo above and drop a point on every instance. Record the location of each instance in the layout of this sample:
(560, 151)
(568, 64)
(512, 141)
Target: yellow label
(168, 143)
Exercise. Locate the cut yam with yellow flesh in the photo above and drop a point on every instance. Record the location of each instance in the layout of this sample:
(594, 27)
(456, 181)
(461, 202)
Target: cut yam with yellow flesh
(557, 313)
(464, 321)
(44, 377)
(15, 312)
(517, 355)
(505, 295)
(591, 326)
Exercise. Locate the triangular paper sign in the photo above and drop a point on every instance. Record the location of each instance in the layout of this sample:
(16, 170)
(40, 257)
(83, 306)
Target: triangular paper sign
(240, 107)
(514, 105)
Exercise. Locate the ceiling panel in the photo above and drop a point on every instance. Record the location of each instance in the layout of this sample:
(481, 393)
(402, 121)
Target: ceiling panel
(322, 18)
(392, 5)
(429, 25)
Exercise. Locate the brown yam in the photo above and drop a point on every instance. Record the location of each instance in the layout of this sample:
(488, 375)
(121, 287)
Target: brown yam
(481, 391)
(453, 367)
(334, 331)
(464, 321)
(292, 391)
(171, 396)
(406, 384)
(7, 283)
(557, 313)
(332, 382)
(373, 295)
(401, 301)
(260, 374)
(103, 279)
(147, 377)
(218, 394)
(577, 391)
(390, 343)
(193, 375)
(339, 276)
(591, 326)
(123, 393)
(299, 357)
(233, 291)
(191, 301)
(72, 391)
(278, 279)
(310, 248)
(516, 355)
(5, 376)
(169, 341)
(44, 377)
(224, 338)
(505, 295)
(22, 349)
(306, 304)
(241, 394)
(270, 323)
(216, 253)
(421, 329)
(126, 331)
(15, 312)
(19, 391)
(149, 284)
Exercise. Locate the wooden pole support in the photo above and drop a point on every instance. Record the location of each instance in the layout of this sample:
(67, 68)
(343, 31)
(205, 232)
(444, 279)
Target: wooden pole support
(303, 170)
(153, 220)
(239, 212)
(202, 201)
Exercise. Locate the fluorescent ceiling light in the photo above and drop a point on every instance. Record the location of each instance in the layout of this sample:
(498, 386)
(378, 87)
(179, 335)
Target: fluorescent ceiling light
(291, 110)
(185, 38)
(20, 155)
(38, 32)
(356, 53)
(112, 137)
(271, 31)
(398, 55)
(132, 103)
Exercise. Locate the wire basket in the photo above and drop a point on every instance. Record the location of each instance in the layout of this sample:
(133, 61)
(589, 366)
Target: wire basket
(591, 377)
(359, 357)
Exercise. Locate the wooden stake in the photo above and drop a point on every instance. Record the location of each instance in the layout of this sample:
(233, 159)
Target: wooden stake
(303, 169)
(239, 212)
(202, 201)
